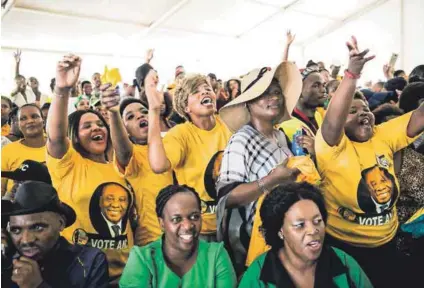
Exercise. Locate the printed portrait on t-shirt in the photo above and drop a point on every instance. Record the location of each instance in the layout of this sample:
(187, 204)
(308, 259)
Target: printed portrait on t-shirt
(210, 177)
(377, 190)
(109, 207)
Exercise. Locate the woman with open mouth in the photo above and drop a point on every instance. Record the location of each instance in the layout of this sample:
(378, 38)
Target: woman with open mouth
(293, 223)
(78, 162)
(257, 147)
(179, 258)
(355, 160)
(188, 148)
(129, 128)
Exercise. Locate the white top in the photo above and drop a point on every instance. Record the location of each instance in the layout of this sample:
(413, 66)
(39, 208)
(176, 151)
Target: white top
(110, 224)
(19, 99)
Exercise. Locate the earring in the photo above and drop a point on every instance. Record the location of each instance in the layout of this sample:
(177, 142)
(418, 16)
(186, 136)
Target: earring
(280, 234)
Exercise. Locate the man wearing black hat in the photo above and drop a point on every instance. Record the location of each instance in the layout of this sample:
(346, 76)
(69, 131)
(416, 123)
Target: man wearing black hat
(37, 256)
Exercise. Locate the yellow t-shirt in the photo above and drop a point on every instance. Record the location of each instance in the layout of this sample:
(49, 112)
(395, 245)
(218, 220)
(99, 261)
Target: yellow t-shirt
(291, 126)
(190, 149)
(147, 185)
(15, 153)
(101, 200)
(359, 184)
(5, 130)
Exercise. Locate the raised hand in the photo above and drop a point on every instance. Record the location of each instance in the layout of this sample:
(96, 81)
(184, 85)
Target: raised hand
(109, 98)
(289, 37)
(67, 72)
(154, 97)
(17, 55)
(307, 142)
(357, 59)
(149, 55)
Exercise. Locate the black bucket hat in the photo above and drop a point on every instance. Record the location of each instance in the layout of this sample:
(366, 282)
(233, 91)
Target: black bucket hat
(35, 197)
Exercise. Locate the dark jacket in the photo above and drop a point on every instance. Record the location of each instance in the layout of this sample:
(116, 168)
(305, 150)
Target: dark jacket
(335, 269)
(69, 266)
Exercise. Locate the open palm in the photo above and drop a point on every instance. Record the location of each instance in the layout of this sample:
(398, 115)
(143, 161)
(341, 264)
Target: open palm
(67, 71)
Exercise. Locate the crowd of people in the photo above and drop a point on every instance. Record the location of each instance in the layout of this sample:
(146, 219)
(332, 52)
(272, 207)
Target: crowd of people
(283, 177)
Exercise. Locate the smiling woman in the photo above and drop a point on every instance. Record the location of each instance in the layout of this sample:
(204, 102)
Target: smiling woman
(179, 258)
(32, 147)
(78, 163)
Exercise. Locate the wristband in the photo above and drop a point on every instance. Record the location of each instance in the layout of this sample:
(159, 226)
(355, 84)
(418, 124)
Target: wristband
(351, 75)
(262, 187)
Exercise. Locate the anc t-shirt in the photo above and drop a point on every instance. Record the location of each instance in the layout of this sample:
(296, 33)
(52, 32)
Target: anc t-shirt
(190, 150)
(147, 185)
(359, 184)
(15, 153)
(101, 200)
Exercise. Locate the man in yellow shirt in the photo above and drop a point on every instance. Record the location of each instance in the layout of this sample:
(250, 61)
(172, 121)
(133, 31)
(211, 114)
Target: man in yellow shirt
(188, 148)
(305, 115)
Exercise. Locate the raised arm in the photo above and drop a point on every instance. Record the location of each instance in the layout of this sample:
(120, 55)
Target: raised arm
(149, 55)
(335, 118)
(289, 40)
(158, 160)
(416, 123)
(17, 57)
(67, 73)
(388, 71)
(120, 140)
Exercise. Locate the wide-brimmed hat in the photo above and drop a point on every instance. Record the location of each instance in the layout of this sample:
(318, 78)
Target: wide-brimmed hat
(36, 197)
(235, 114)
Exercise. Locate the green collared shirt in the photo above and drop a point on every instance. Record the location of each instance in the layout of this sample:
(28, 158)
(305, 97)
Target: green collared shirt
(335, 269)
(146, 267)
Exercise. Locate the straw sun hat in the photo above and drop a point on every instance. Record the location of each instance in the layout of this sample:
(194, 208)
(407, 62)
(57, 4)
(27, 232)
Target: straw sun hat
(235, 114)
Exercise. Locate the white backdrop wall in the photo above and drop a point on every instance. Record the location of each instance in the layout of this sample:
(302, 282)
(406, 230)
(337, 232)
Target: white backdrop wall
(395, 26)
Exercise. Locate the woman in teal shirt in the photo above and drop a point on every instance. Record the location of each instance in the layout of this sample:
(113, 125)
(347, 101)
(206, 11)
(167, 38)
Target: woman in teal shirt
(293, 221)
(179, 258)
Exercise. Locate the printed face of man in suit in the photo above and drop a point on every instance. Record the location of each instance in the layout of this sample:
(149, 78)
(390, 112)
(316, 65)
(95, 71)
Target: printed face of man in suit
(379, 185)
(114, 203)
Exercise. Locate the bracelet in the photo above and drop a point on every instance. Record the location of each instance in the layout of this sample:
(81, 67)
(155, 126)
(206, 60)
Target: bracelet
(262, 187)
(351, 75)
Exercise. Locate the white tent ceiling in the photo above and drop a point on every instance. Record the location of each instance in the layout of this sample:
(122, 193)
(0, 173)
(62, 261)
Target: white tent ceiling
(228, 37)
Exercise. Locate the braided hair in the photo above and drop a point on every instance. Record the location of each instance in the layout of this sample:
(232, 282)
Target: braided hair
(166, 193)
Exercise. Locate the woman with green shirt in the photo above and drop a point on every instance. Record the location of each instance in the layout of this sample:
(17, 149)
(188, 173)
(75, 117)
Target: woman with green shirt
(179, 258)
(293, 222)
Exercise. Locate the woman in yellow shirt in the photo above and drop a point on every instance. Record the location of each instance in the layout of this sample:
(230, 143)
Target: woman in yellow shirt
(129, 128)
(188, 148)
(355, 160)
(85, 178)
(32, 147)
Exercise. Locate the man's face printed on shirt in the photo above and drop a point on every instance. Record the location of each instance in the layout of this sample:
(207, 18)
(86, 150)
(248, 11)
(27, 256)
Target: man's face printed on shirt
(379, 185)
(114, 203)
